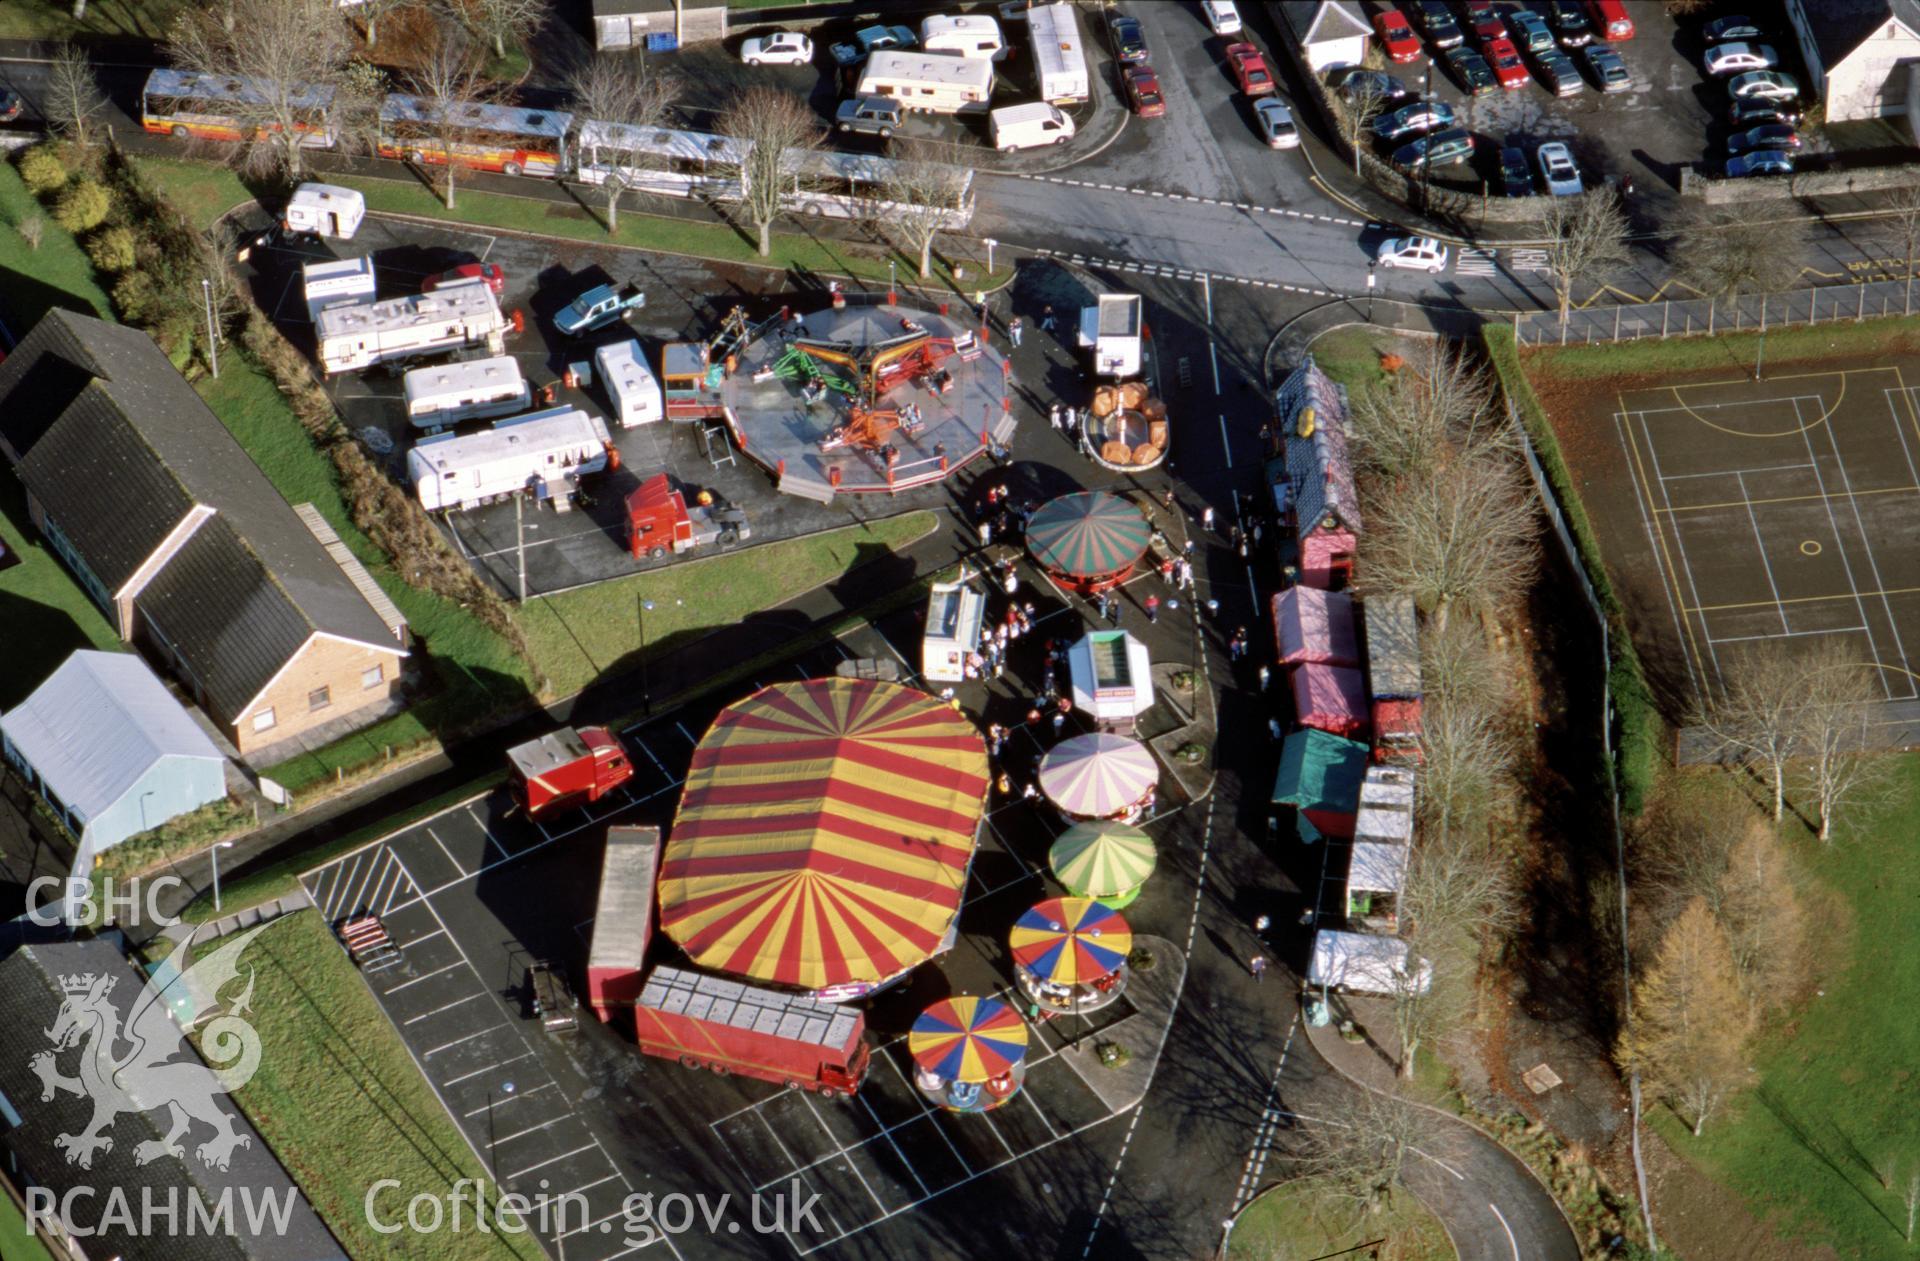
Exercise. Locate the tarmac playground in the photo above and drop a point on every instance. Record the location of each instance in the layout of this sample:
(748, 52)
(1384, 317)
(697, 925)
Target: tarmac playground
(1779, 509)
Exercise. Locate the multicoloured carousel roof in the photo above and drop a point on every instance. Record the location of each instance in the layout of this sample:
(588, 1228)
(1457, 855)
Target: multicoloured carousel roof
(1097, 774)
(1088, 534)
(968, 1039)
(1070, 941)
(824, 833)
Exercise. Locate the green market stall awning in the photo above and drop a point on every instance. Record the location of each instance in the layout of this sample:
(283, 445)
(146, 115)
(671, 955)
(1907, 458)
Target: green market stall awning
(1089, 537)
(1102, 859)
(1320, 775)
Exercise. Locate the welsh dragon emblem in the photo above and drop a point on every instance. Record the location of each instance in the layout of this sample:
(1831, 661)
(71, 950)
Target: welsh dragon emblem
(143, 1065)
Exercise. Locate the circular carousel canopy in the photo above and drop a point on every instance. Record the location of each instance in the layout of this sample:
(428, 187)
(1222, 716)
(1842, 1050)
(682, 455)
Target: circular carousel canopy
(1097, 774)
(824, 832)
(1070, 941)
(968, 1039)
(1102, 859)
(1088, 534)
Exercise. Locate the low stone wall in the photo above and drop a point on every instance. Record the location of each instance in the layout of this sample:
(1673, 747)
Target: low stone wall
(1720, 192)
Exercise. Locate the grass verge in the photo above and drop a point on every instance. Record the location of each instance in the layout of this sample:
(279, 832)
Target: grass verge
(1297, 1222)
(105, 19)
(1351, 355)
(16, 1242)
(340, 1101)
(1733, 352)
(1641, 730)
(577, 636)
(58, 274)
(1834, 1104)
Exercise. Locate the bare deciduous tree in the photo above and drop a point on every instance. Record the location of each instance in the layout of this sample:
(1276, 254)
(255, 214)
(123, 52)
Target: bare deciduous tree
(1841, 766)
(370, 12)
(497, 21)
(291, 53)
(447, 80)
(1754, 719)
(1439, 400)
(1740, 247)
(1903, 207)
(32, 228)
(1586, 240)
(1456, 888)
(925, 194)
(627, 101)
(1465, 536)
(1466, 741)
(1691, 1021)
(73, 95)
(771, 125)
(1359, 1156)
(1356, 106)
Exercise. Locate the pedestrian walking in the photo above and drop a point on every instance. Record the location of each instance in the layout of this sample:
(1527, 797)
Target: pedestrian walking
(1167, 500)
(1265, 673)
(1206, 518)
(1059, 723)
(1213, 609)
(1012, 583)
(1053, 417)
(1186, 548)
(1016, 329)
(1166, 571)
(1104, 605)
(1153, 608)
(1113, 612)
(1046, 318)
(986, 533)
(1004, 784)
(1258, 966)
(1073, 423)
(1030, 792)
(1260, 925)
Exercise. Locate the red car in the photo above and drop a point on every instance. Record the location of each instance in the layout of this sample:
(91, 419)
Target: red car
(1250, 69)
(1143, 90)
(1485, 22)
(1507, 66)
(1396, 35)
(490, 272)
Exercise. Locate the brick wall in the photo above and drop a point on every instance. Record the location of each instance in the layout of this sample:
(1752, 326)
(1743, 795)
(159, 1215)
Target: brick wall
(339, 667)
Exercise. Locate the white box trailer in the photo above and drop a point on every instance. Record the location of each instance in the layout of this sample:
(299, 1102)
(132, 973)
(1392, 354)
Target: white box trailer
(933, 83)
(969, 34)
(444, 394)
(633, 392)
(1111, 329)
(451, 317)
(325, 210)
(954, 613)
(337, 282)
(1059, 60)
(545, 452)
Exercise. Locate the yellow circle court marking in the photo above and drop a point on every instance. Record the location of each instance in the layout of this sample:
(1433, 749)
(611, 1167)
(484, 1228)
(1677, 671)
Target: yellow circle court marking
(1821, 419)
(1810, 548)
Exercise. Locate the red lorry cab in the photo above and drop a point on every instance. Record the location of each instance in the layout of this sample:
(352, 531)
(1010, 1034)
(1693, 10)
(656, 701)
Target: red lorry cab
(1610, 19)
(567, 768)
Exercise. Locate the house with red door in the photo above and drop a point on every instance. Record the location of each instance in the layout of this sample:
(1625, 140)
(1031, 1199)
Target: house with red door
(1312, 478)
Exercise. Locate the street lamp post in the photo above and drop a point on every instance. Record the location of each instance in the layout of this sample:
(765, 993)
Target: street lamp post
(646, 695)
(213, 851)
(893, 298)
(990, 242)
(1370, 280)
(213, 351)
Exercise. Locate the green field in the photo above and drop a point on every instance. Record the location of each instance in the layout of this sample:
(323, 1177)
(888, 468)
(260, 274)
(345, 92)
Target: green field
(1296, 1223)
(1351, 355)
(1839, 1084)
(33, 281)
(339, 1100)
(583, 634)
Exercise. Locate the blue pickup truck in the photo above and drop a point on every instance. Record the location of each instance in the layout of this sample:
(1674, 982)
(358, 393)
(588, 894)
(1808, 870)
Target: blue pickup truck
(597, 308)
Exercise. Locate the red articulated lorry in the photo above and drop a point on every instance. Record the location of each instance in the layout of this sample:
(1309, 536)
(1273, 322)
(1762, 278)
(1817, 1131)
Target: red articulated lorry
(710, 1022)
(567, 768)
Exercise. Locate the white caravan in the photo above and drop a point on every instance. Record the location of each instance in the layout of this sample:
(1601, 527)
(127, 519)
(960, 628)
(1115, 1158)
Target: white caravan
(337, 282)
(1059, 62)
(935, 83)
(544, 452)
(446, 393)
(325, 210)
(632, 389)
(451, 317)
(970, 35)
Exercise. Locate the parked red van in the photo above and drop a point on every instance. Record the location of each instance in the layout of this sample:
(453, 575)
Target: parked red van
(1610, 19)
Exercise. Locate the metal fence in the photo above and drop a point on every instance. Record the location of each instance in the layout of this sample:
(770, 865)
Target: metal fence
(1687, 317)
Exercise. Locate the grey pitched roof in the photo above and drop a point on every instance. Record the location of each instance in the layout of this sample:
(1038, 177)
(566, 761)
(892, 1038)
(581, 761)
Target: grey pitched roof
(30, 998)
(1333, 20)
(1319, 473)
(1840, 26)
(97, 725)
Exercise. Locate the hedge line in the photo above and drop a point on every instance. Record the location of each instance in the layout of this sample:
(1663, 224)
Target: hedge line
(1641, 728)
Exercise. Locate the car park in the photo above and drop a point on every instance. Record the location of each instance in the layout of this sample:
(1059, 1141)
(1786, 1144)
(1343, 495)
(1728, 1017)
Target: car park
(1353, 83)
(1529, 31)
(1437, 20)
(1759, 162)
(1516, 180)
(1413, 120)
(1442, 148)
(1276, 123)
(492, 273)
(1570, 23)
(1471, 71)
(782, 48)
(1129, 38)
(1557, 169)
(1396, 35)
(1776, 136)
(1608, 68)
(1143, 90)
(1485, 21)
(1765, 85)
(1222, 17)
(1556, 73)
(868, 116)
(1732, 27)
(1507, 66)
(1421, 253)
(1249, 69)
(1754, 113)
(1737, 58)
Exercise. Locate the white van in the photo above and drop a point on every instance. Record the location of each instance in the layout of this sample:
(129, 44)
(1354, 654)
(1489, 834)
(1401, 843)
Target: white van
(970, 35)
(444, 394)
(337, 282)
(937, 83)
(325, 210)
(633, 392)
(1029, 126)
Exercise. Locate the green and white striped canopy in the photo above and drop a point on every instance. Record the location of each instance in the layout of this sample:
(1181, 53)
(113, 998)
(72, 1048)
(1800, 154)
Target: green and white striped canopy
(1102, 859)
(1088, 534)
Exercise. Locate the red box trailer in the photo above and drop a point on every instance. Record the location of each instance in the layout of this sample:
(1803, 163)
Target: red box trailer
(567, 768)
(623, 922)
(731, 1027)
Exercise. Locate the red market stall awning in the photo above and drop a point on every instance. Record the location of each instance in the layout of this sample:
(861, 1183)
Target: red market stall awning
(824, 833)
(1311, 625)
(1330, 698)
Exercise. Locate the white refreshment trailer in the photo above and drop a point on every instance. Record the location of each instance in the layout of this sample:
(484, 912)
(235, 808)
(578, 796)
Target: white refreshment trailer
(443, 394)
(954, 614)
(1112, 675)
(545, 452)
(452, 317)
(1111, 329)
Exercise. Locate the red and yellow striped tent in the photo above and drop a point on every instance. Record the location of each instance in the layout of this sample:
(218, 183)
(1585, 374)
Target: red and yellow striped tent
(824, 833)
